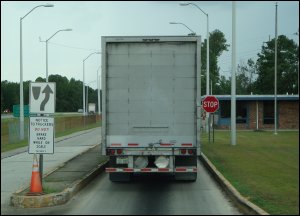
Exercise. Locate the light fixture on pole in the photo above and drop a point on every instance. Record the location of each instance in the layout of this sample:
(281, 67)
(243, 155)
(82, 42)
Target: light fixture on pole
(193, 33)
(47, 49)
(83, 83)
(21, 73)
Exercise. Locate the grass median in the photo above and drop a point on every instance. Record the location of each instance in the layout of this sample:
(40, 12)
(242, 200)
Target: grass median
(12, 146)
(262, 166)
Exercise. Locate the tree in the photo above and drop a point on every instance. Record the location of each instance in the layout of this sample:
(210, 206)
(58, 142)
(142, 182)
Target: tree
(225, 86)
(75, 91)
(245, 76)
(62, 97)
(9, 95)
(287, 67)
(217, 44)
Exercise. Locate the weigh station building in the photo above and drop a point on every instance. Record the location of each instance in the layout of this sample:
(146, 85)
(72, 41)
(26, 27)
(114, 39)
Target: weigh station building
(257, 112)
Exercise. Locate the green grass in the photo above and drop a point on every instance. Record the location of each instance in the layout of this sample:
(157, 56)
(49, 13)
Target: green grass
(48, 190)
(262, 166)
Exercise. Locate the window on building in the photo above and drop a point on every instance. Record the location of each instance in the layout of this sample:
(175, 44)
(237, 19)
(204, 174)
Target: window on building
(241, 112)
(268, 112)
(225, 109)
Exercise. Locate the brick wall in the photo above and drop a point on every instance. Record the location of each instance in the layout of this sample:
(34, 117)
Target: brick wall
(288, 116)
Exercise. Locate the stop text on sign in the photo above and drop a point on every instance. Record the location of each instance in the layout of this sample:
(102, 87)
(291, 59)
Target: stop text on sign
(210, 104)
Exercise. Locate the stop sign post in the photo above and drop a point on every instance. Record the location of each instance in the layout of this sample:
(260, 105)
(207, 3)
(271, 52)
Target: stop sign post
(210, 104)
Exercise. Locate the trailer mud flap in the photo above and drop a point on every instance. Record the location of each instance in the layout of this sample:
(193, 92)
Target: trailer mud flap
(120, 177)
(191, 176)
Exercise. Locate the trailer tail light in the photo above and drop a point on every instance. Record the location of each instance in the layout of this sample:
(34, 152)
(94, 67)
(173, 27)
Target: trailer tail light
(112, 151)
(191, 151)
(119, 151)
(183, 151)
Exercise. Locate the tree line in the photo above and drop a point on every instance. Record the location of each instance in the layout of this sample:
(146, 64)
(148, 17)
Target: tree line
(252, 77)
(68, 93)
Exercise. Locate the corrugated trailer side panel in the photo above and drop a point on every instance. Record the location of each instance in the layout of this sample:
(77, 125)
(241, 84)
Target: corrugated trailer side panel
(150, 90)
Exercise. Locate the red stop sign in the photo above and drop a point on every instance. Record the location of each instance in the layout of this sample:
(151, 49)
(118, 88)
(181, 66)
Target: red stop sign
(210, 104)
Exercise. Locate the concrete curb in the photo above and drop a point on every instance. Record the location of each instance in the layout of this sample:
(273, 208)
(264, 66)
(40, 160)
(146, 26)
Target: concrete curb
(243, 204)
(52, 199)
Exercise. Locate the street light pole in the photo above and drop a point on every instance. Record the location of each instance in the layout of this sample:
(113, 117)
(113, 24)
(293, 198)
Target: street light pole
(98, 87)
(297, 33)
(275, 79)
(207, 49)
(21, 73)
(47, 49)
(233, 77)
(83, 100)
(207, 53)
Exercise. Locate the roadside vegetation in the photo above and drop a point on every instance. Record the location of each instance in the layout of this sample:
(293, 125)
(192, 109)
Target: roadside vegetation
(63, 126)
(262, 166)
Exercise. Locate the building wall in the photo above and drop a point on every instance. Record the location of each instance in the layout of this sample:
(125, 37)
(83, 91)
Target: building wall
(288, 116)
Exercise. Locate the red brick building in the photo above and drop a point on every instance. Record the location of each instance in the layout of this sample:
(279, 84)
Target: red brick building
(257, 112)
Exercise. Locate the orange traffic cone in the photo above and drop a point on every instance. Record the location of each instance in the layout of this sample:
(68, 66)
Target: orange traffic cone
(35, 185)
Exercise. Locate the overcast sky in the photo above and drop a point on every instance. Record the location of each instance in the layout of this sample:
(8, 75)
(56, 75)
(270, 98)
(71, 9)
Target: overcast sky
(91, 20)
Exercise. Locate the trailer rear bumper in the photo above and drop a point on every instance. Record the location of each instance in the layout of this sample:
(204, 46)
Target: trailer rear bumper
(151, 170)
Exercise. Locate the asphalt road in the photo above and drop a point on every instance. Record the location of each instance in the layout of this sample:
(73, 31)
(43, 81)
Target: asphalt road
(146, 195)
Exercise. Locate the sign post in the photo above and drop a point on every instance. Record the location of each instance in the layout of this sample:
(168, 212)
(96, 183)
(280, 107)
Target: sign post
(41, 133)
(210, 104)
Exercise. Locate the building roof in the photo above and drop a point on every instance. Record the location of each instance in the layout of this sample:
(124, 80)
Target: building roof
(258, 97)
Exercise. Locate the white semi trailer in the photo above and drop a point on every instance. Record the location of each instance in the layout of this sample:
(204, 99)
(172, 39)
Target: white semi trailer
(151, 105)
(92, 108)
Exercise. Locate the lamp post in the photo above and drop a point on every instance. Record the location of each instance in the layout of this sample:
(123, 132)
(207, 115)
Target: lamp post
(297, 33)
(193, 33)
(21, 73)
(47, 49)
(98, 87)
(207, 51)
(275, 80)
(233, 77)
(83, 100)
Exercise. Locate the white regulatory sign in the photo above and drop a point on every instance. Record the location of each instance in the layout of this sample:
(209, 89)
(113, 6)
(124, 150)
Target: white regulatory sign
(41, 135)
(42, 97)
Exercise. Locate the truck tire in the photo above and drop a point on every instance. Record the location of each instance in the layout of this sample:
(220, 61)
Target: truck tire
(120, 177)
